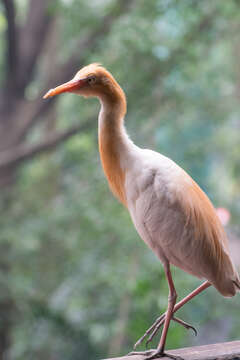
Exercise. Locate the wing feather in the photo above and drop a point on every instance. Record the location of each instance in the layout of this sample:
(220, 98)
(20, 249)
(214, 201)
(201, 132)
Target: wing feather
(210, 252)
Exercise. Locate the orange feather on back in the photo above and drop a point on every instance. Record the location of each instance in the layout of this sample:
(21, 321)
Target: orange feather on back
(209, 238)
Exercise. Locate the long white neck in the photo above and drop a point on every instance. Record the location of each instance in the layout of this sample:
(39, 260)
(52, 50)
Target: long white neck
(114, 145)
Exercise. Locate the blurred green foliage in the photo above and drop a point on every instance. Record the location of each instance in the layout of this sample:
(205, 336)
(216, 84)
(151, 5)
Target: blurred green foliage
(83, 283)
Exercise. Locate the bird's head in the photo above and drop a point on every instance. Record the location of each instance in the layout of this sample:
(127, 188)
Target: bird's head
(91, 81)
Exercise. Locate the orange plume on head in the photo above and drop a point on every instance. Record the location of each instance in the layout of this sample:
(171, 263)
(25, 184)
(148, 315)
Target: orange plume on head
(93, 81)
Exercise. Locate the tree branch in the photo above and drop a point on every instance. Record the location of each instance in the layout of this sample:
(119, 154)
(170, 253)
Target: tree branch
(21, 153)
(32, 38)
(12, 51)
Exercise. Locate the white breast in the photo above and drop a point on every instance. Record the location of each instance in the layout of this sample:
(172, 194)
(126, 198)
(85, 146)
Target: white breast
(150, 188)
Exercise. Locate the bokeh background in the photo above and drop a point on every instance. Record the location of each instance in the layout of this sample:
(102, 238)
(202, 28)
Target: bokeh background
(76, 280)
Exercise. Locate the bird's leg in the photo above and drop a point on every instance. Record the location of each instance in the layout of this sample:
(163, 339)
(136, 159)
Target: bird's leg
(151, 332)
(168, 316)
(190, 296)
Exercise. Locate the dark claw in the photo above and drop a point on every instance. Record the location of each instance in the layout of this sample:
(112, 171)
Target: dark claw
(194, 330)
(185, 324)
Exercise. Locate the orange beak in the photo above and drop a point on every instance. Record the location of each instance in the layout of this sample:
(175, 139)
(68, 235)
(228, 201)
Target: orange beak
(69, 86)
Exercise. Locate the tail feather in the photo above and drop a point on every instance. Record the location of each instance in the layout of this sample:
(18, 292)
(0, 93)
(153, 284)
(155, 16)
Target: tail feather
(228, 284)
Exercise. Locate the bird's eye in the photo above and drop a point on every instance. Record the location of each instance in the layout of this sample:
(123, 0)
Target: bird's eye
(91, 80)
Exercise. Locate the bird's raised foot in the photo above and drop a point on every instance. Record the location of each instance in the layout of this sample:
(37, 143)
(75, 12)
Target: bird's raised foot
(185, 324)
(153, 330)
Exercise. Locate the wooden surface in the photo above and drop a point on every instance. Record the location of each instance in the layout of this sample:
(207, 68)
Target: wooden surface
(222, 351)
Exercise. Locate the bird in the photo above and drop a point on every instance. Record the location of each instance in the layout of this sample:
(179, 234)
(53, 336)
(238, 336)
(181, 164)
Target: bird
(170, 212)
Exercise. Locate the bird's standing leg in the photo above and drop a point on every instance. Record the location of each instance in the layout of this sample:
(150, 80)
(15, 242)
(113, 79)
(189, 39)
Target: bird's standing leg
(172, 297)
(168, 316)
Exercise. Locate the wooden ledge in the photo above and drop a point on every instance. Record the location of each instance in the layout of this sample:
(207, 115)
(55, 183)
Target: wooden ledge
(222, 351)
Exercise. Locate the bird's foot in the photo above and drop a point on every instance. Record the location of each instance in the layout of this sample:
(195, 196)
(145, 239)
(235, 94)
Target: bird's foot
(161, 354)
(152, 331)
(154, 354)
